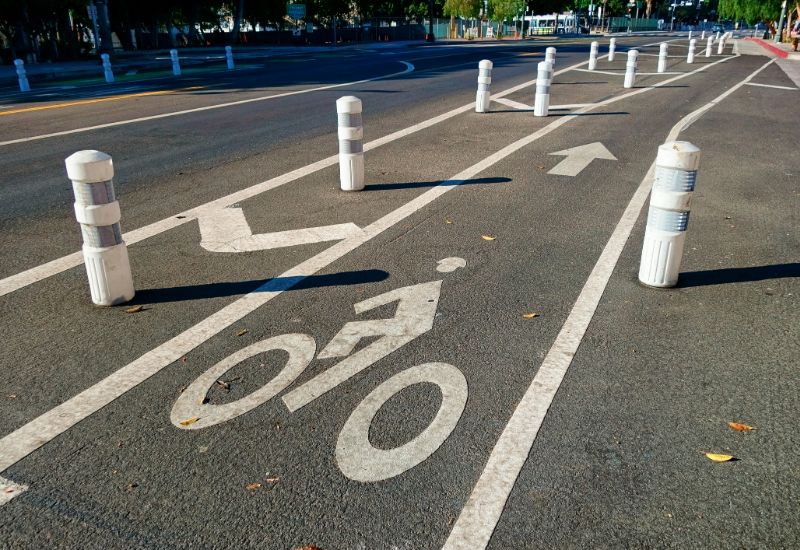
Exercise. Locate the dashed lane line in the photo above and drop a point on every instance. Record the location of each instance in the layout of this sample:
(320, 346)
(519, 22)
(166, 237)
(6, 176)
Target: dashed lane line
(43, 429)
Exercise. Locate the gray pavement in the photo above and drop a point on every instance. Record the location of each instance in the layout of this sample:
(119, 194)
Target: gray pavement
(618, 460)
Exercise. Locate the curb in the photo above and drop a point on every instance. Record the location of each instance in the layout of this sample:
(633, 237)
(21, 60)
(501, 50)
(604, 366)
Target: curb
(766, 45)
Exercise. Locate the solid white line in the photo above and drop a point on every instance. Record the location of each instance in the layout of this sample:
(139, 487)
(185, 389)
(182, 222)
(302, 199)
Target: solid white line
(409, 68)
(601, 72)
(25, 440)
(511, 103)
(9, 489)
(772, 86)
(53, 267)
(480, 515)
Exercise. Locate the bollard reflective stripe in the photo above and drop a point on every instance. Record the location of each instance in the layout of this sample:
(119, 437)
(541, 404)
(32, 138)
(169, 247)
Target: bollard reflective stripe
(229, 57)
(176, 63)
(612, 48)
(351, 143)
(690, 55)
(593, 55)
(662, 57)
(483, 97)
(668, 215)
(97, 210)
(22, 76)
(541, 101)
(108, 73)
(630, 69)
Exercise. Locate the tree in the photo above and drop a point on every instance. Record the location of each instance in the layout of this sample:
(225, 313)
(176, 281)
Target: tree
(460, 8)
(750, 10)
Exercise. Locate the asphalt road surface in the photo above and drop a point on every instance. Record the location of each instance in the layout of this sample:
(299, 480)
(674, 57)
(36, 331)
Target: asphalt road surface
(469, 363)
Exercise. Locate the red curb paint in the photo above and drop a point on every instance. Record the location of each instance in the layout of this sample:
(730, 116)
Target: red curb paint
(774, 49)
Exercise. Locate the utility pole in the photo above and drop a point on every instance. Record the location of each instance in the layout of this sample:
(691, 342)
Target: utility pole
(430, 37)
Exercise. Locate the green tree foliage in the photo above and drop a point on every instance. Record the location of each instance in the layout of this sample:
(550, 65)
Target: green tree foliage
(461, 8)
(750, 10)
(505, 10)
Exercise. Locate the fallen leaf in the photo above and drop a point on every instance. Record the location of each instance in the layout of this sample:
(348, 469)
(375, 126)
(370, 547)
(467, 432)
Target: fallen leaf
(242, 332)
(740, 427)
(12, 395)
(718, 457)
(448, 221)
(183, 359)
(253, 486)
(488, 237)
(540, 166)
(190, 421)
(9, 490)
(308, 547)
(529, 315)
(224, 385)
(134, 309)
(130, 487)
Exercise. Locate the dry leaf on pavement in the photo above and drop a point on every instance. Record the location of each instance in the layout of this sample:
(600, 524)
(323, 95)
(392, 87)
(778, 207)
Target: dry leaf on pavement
(718, 457)
(529, 315)
(242, 332)
(740, 427)
(190, 421)
(134, 309)
(253, 486)
(488, 237)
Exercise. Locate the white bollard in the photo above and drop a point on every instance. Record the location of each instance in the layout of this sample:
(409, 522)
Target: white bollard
(483, 96)
(668, 216)
(593, 56)
(97, 210)
(351, 143)
(541, 101)
(690, 55)
(612, 48)
(720, 47)
(550, 55)
(22, 76)
(703, 35)
(690, 35)
(107, 71)
(717, 38)
(630, 69)
(662, 57)
(229, 57)
(176, 63)
(709, 46)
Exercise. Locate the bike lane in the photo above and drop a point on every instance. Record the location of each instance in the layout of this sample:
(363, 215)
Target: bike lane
(478, 328)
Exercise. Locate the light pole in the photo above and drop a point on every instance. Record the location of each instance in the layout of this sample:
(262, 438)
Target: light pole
(779, 34)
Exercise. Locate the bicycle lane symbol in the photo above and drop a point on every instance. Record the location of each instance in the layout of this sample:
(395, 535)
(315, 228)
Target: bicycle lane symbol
(356, 457)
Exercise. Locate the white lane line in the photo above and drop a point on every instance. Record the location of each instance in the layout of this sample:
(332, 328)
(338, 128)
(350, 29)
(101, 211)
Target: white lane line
(59, 265)
(511, 103)
(601, 72)
(775, 86)
(409, 68)
(25, 440)
(9, 489)
(480, 515)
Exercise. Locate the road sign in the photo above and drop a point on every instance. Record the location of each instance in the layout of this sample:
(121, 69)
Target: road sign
(296, 11)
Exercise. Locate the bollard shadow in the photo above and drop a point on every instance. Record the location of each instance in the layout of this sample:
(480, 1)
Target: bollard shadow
(581, 82)
(589, 114)
(738, 275)
(423, 184)
(219, 290)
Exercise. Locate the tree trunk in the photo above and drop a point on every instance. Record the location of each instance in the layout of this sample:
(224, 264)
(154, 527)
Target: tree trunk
(237, 22)
(649, 9)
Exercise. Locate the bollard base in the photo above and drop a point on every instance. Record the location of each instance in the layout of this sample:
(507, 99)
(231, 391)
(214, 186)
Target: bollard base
(541, 105)
(482, 100)
(351, 171)
(662, 252)
(109, 271)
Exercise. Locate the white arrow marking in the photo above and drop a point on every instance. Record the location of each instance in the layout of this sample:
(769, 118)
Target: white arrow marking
(579, 158)
(448, 265)
(227, 230)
